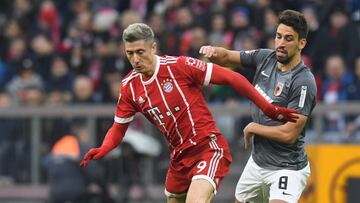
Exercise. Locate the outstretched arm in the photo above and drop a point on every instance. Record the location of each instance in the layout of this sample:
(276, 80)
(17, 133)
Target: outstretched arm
(223, 76)
(112, 139)
(286, 133)
(221, 56)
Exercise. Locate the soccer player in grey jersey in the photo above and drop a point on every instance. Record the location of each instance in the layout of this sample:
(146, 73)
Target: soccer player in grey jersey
(278, 168)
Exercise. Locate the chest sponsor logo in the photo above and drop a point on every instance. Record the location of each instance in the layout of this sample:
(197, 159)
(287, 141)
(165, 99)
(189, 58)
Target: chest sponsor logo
(167, 85)
(262, 92)
(278, 89)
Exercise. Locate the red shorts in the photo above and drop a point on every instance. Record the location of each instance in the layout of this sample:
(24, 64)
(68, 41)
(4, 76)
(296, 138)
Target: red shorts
(209, 160)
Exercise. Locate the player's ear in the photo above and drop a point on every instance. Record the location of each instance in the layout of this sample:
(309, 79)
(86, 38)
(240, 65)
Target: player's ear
(302, 43)
(154, 47)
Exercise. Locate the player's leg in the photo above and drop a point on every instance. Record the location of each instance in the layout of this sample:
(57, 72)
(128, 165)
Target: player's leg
(176, 186)
(250, 185)
(200, 190)
(212, 165)
(177, 199)
(287, 185)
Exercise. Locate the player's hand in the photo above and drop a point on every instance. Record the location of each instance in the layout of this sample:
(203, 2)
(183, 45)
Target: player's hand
(208, 51)
(93, 153)
(281, 114)
(248, 135)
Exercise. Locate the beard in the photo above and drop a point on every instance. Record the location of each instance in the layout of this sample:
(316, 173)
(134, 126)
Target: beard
(284, 60)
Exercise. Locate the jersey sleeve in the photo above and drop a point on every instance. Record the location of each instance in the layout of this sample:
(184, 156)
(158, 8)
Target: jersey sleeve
(303, 95)
(196, 70)
(125, 111)
(252, 58)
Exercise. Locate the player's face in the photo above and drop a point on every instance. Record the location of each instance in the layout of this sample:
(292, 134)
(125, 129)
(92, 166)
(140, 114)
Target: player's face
(141, 55)
(287, 44)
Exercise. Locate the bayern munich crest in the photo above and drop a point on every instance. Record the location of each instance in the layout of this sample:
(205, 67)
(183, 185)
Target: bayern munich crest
(167, 85)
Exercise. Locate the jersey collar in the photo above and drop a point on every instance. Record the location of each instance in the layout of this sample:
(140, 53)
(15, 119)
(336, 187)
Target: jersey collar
(157, 67)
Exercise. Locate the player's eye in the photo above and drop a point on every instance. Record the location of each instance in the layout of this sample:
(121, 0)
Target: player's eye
(289, 38)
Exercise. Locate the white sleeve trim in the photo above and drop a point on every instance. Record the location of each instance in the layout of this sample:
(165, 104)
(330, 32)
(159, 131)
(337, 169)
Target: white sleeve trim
(123, 120)
(208, 74)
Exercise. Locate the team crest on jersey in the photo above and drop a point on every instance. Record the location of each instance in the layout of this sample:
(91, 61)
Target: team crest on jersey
(167, 85)
(278, 89)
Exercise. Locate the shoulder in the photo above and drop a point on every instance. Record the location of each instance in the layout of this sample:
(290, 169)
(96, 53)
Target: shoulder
(305, 78)
(168, 60)
(257, 54)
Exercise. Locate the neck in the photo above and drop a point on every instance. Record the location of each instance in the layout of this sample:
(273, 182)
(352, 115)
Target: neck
(289, 66)
(152, 68)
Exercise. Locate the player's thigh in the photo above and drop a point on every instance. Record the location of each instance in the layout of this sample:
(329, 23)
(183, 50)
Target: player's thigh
(250, 186)
(287, 185)
(201, 191)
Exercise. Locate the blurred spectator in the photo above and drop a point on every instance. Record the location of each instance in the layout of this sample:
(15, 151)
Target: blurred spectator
(314, 25)
(83, 91)
(122, 65)
(201, 11)
(129, 17)
(333, 90)
(44, 52)
(157, 23)
(26, 79)
(182, 31)
(241, 27)
(219, 35)
(198, 39)
(60, 77)
(353, 94)
(34, 97)
(49, 21)
(16, 54)
(340, 37)
(68, 182)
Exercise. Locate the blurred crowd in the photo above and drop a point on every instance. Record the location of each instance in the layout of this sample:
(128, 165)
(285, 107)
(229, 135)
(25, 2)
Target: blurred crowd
(65, 52)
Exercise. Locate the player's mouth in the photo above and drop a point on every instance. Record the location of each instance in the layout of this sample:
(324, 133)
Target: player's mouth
(138, 67)
(281, 52)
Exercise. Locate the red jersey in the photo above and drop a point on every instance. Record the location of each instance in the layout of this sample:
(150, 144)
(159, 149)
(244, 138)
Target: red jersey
(171, 99)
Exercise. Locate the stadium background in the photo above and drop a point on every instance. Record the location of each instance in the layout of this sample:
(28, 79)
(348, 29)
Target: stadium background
(61, 62)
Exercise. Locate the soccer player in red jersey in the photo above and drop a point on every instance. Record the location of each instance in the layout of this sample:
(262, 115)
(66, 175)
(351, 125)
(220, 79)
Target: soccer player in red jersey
(167, 90)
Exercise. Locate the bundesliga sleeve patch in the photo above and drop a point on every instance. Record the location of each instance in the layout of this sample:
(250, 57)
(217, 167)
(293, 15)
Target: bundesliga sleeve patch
(196, 63)
(302, 96)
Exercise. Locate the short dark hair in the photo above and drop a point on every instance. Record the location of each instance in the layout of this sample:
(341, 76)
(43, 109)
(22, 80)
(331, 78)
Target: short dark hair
(296, 20)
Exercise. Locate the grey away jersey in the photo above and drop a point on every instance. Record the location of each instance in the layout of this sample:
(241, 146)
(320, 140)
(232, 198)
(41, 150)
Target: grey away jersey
(294, 89)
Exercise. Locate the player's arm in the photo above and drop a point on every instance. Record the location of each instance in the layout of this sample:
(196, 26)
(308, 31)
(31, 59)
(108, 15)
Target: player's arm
(221, 56)
(113, 138)
(286, 133)
(223, 76)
